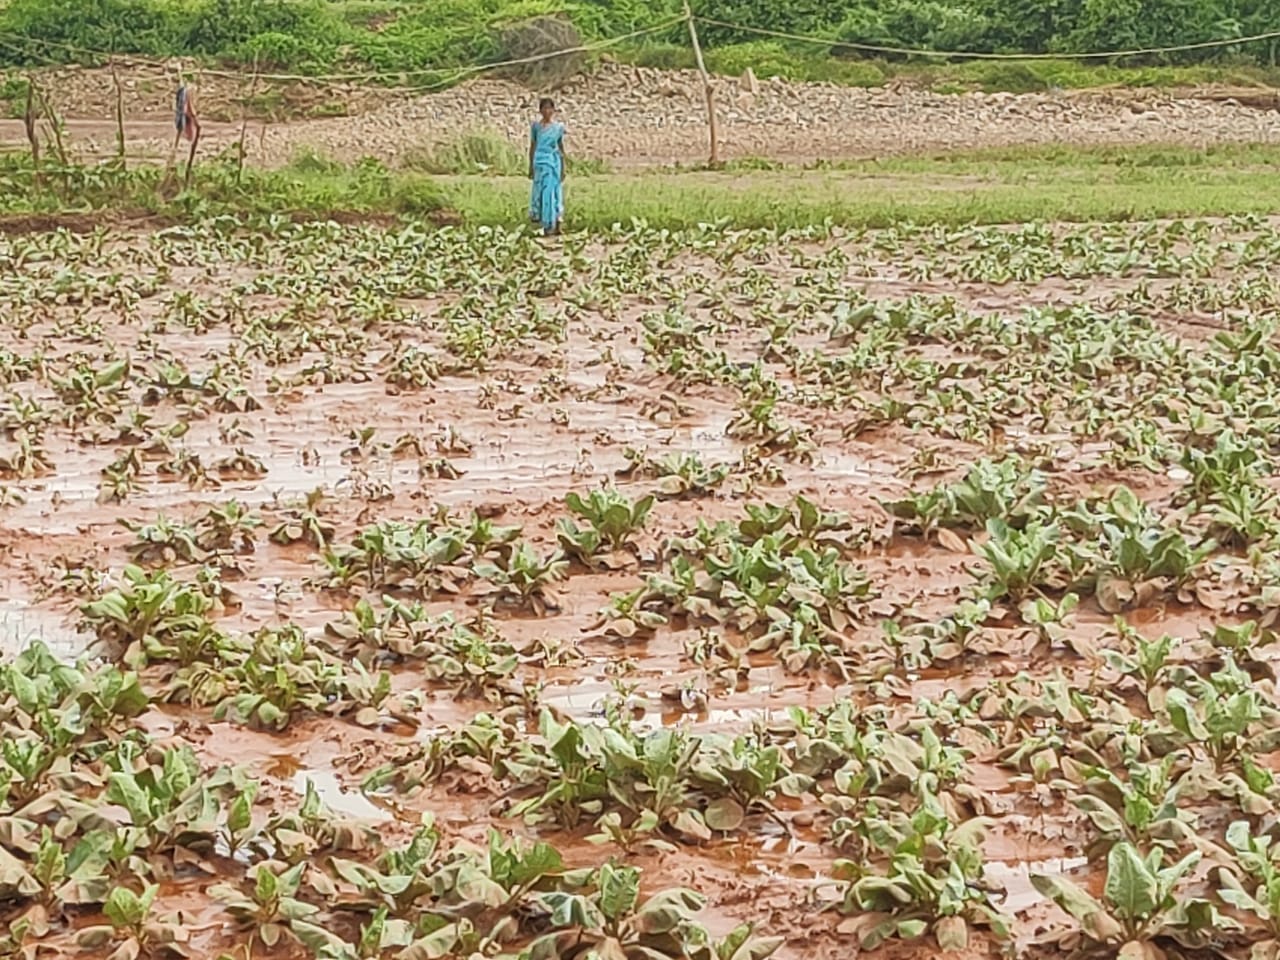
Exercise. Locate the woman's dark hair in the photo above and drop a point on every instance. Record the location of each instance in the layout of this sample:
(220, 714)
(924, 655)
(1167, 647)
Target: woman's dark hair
(546, 102)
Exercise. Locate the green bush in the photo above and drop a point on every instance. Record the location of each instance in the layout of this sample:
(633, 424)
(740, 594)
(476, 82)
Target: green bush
(149, 27)
(663, 56)
(527, 39)
(803, 17)
(1002, 75)
(433, 38)
(918, 24)
(479, 151)
(772, 59)
(767, 58)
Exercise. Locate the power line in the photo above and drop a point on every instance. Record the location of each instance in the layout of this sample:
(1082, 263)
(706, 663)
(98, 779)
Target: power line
(956, 54)
(451, 75)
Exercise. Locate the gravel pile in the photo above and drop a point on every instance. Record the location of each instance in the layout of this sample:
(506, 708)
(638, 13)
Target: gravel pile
(633, 116)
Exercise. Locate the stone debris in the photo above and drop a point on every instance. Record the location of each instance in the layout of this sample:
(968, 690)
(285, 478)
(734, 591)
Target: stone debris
(634, 116)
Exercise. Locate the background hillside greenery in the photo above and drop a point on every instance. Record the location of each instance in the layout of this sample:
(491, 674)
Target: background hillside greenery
(326, 36)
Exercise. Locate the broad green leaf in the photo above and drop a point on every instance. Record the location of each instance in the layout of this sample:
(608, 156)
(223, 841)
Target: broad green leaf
(665, 911)
(1130, 886)
(124, 789)
(724, 814)
(319, 940)
(1092, 916)
(619, 891)
(912, 929)
(748, 947)
(952, 933)
(690, 823)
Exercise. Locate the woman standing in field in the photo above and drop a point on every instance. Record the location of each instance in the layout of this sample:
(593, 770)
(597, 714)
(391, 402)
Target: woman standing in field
(546, 168)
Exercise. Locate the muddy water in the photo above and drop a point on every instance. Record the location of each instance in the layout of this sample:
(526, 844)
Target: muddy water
(540, 421)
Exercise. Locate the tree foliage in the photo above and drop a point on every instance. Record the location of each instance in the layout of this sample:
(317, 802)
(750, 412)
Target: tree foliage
(323, 35)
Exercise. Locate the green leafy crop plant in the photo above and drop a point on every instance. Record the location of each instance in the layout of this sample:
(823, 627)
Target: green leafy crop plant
(613, 520)
(930, 884)
(933, 499)
(1141, 903)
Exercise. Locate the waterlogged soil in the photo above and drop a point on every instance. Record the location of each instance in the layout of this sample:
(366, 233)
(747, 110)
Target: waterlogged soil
(309, 324)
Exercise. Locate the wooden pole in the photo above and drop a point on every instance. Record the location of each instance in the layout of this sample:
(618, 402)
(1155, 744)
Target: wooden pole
(55, 127)
(191, 157)
(29, 122)
(244, 119)
(708, 92)
(195, 140)
(120, 142)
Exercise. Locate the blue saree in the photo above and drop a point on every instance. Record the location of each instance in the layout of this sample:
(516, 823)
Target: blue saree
(546, 204)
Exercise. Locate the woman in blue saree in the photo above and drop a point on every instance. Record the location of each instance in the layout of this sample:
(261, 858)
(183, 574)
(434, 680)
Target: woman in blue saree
(546, 168)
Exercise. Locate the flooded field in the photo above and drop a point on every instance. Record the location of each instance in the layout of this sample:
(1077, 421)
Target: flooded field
(372, 592)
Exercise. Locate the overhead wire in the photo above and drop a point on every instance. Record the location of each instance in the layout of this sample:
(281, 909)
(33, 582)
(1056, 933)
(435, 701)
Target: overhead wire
(966, 55)
(451, 75)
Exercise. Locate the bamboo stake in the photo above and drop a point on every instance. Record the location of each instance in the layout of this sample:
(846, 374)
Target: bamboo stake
(244, 119)
(120, 142)
(29, 122)
(708, 92)
(195, 141)
(191, 158)
(55, 128)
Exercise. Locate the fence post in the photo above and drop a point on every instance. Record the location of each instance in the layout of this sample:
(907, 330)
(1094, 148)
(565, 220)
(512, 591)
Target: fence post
(50, 113)
(195, 140)
(708, 92)
(245, 106)
(29, 123)
(120, 141)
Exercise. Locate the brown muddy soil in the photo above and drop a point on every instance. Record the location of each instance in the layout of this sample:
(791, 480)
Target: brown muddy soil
(549, 363)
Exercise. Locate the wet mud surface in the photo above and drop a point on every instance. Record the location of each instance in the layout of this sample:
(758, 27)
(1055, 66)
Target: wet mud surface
(263, 420)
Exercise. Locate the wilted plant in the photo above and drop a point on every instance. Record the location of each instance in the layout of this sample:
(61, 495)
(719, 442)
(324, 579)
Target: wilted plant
(1252, 882)
(132, 929)
(677, 474)
(270, 903)
(931, 883)
(526, 577)
(1140, 903)
(610, 919)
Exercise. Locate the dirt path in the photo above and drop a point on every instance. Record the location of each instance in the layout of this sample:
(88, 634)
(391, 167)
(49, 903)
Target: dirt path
(633, 117)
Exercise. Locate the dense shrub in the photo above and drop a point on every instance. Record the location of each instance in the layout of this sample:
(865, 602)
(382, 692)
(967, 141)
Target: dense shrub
(150, 27)
(439, 35)
(527, 39)
(923, 24)
(805, 17)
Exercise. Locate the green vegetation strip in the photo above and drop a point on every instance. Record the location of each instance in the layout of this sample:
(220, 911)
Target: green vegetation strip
(1051, 183)
(319, 37)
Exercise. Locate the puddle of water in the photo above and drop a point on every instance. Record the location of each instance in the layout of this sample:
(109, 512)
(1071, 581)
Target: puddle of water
(835, 465)
(581, 700)
(1020, 895)
(338, 799)
(21, 624)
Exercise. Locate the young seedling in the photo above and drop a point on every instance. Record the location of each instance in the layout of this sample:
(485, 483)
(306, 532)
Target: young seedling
(270, 903)
(614, 521)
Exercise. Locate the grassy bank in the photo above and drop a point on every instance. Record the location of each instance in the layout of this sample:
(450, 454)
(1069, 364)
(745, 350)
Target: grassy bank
(1052, 183)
